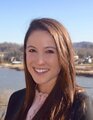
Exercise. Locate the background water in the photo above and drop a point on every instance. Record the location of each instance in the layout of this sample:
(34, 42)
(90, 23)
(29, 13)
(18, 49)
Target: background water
(13, 79)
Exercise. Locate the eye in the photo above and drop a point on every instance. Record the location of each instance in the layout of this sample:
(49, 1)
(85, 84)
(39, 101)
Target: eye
(31, 50)
(50, 51)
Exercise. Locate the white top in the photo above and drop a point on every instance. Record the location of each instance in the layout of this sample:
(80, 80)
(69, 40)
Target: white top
(38, 102)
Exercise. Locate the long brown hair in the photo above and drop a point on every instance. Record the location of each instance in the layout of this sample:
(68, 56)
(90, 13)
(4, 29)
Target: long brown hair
(58, 103)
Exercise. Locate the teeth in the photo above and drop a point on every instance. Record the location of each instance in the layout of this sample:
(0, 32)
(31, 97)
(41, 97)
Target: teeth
(41, 70)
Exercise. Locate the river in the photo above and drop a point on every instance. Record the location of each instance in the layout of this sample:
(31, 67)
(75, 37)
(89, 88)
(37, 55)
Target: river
(11, 79)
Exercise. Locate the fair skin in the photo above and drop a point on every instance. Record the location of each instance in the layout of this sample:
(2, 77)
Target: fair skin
(42, 60)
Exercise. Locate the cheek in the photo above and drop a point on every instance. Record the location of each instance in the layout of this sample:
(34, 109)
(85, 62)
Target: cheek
(57, 67)
(29, 58)
(54, 62)
(57, 64)
(28, 62)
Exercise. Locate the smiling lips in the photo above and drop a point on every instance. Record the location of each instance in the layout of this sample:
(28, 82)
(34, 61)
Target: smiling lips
(41, 70)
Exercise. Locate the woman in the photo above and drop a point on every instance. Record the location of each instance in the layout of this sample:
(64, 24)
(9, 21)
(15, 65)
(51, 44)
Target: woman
(51, 92)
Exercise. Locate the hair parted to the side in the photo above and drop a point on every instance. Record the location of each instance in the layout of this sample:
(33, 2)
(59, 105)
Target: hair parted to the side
(58, 103)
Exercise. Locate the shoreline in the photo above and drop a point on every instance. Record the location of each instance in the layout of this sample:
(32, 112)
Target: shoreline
(84, 70)
(12, 66)
(81, 70)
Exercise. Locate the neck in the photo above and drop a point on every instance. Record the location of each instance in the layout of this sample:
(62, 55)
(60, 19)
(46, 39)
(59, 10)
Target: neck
(46, 87)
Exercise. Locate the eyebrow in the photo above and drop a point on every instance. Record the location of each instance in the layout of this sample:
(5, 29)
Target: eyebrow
(28, 46)
(46, 47)
(50, 47)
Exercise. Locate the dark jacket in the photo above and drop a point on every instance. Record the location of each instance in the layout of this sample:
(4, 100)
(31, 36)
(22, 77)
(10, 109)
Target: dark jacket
(81, 108)
(15, 102)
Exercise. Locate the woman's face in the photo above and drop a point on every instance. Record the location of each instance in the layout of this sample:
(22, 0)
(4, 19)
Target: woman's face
(42, 59)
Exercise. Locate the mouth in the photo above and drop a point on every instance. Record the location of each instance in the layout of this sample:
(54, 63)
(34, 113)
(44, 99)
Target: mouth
(41, 70)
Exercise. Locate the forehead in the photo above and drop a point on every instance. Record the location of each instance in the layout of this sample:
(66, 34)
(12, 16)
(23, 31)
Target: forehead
(40, 37)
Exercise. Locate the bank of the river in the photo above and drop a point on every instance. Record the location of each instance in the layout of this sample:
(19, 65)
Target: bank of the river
(84, 69)
(12, 66)
(12, 80)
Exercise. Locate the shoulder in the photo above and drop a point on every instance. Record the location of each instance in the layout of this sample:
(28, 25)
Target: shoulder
(14, 104)
(18, 94)
(81, 97)
(82, 106)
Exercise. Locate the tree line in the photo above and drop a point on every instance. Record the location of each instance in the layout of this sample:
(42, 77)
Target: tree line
(11, 50)
(82, 49)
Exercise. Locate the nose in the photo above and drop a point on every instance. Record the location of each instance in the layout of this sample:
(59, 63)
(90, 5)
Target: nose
(40, 60)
